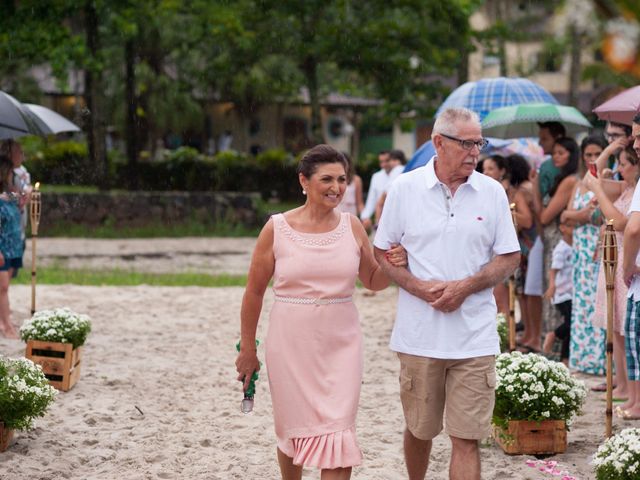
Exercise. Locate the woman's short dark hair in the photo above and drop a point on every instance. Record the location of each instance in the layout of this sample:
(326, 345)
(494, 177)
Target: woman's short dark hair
(318, 155)
(517, 169)
(571, 167)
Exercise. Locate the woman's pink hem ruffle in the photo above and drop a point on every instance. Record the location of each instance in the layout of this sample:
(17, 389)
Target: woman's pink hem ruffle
(332, 450)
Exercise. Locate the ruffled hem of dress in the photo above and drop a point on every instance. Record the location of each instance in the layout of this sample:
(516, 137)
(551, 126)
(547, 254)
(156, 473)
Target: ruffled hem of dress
(328, 451)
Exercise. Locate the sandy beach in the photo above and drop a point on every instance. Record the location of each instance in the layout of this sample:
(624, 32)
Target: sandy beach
(158, 399)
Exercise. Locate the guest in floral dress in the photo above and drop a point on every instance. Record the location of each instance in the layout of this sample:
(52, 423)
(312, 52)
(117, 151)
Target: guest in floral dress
(587, 341)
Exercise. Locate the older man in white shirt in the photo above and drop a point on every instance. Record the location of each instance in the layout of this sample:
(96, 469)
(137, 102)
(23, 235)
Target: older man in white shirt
(377, 187)
(456, 227)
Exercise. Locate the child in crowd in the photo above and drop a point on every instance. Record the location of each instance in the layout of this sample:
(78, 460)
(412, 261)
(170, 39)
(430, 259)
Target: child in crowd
(560, 292)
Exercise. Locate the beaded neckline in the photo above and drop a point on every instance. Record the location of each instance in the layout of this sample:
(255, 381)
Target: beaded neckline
(316, 239)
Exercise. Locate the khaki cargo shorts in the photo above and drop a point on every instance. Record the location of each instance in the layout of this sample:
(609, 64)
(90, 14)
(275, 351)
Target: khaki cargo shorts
(460, 391)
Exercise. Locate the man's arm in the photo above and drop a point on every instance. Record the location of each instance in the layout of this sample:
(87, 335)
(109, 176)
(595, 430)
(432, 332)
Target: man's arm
(631, 242)
(424, 289)
(455, 292)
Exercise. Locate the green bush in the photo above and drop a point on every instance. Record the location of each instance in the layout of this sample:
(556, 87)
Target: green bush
(272, 172)
(64, 162)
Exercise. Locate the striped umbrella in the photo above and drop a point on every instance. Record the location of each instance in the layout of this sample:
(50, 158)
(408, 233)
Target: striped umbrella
(488, 94)
(522, 120)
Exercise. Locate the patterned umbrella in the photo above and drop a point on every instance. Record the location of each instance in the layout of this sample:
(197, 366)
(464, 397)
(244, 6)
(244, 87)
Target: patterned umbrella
(621, 108)
(491, 93)
(519, 121)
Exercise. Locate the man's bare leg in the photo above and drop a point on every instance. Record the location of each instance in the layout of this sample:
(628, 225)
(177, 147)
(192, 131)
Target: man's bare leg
(416, 455)
(465, 459)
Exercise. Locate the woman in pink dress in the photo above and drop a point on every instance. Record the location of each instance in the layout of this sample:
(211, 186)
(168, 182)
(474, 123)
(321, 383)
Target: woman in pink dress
(614, 198)
(313, 350)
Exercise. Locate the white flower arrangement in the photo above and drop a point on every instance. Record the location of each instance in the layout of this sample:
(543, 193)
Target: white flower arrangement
(58, 325)
(619, 457)
(531, 387)
(25, 393)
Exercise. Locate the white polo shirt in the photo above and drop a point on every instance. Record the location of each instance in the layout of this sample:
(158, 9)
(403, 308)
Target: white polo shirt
(446, 238)
(377, 187)
(634, 289)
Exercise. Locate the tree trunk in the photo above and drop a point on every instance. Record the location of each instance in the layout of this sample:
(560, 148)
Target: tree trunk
(130, 120)
(310, 69)
(94, 94)
(575, 68)
(463, 66)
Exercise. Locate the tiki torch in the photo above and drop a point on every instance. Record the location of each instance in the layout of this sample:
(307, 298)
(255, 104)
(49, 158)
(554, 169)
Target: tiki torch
(610, 261)
(34, 214)
(512, 293)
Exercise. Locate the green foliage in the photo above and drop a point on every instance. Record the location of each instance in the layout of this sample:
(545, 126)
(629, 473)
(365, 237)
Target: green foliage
(63, 162)
(58, 325)
(503, 332)
(25, 393)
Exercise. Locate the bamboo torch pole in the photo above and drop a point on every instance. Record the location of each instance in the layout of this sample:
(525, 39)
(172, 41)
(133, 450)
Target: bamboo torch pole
(610, 261)
(34, 214)
(512, 293)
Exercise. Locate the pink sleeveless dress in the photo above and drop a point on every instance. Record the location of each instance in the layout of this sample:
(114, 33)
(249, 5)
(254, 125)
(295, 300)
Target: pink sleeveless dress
(622, 204)
(314, 351)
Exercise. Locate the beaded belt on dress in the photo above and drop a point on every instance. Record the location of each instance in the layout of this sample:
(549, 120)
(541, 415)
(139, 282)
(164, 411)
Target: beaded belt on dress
(312, 301)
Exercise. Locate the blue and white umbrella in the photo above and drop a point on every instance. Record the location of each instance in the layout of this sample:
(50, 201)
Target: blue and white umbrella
(488, 94)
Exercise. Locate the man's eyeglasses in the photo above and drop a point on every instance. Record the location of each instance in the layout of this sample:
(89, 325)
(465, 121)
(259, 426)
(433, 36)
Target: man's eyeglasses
(613, 136)
(468, 144)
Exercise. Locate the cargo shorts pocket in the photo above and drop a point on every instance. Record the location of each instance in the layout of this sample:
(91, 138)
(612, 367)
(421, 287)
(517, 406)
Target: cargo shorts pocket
(414, 401)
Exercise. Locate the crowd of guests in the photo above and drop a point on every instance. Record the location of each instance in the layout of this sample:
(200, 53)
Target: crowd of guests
(561, 213)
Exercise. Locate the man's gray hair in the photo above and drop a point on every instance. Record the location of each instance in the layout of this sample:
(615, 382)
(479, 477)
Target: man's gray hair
(446, 121)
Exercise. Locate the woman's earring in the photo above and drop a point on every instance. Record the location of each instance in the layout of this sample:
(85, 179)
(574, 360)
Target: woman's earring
(304, 192)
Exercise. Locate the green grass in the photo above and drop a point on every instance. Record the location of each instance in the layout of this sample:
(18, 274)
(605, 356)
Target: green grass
(56, 275)
(45, 188)
(190, 228)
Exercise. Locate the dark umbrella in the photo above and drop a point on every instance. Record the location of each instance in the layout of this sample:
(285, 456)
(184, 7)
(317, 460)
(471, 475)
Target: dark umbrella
(15, 119)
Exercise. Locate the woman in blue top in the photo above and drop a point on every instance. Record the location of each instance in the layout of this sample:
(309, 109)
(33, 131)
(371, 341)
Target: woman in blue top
(10, 242)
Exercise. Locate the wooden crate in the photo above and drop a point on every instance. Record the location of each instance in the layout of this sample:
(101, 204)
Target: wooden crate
(6, 434)
(532, 438)
(60, 362)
